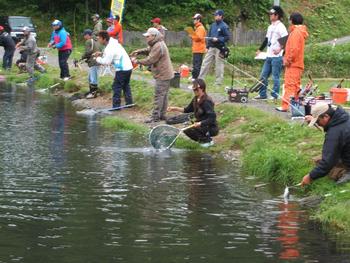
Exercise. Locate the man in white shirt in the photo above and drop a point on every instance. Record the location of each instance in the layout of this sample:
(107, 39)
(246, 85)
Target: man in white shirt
(274, 61)
(114, 54)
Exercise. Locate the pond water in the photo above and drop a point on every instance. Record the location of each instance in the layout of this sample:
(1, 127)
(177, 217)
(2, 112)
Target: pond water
(71, 191)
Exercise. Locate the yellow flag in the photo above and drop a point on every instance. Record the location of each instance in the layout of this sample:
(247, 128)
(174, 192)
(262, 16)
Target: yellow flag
(117, 8)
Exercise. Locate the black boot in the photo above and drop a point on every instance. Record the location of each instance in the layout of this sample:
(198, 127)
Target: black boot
(93, 91)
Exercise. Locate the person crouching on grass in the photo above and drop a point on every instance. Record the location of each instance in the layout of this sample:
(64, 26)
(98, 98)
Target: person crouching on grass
(114, 54)
(203, 107)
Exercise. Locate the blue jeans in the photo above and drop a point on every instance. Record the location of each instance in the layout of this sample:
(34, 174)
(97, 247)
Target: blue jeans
(93, 75)
(271, 66)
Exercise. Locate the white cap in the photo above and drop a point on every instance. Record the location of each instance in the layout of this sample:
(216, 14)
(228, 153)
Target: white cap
(316, 111)
(152, 31)
(196, 16)
(26, 29)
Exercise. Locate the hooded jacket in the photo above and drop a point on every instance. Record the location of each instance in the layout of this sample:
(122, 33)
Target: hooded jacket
(198, 39)
(294, 51)
(336, 145)
(116, 55)
(61, 39)
(116, 31)
(158, 58)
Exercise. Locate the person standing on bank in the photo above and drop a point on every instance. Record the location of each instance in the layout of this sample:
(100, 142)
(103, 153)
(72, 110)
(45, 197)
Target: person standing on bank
(117, 30)
(219, 35)
(274, 60)
(335, 159)
(157, 23)
(203, 107)
(293, 60)
(159, 59)
(114, 54)
(97, 26)
(60, 39)
(29, 46)
(91, 47)
(198, 45)
(9, 46)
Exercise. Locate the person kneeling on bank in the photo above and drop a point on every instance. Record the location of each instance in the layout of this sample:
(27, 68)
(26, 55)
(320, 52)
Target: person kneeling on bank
(335, 159)
(202, 106)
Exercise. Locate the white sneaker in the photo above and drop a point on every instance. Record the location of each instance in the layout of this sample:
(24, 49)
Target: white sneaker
(207, 144)
(66, 78)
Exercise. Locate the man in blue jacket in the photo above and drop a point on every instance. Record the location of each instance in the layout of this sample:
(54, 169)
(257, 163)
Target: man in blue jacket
(336, 147)
(60, 39)
(219, 35)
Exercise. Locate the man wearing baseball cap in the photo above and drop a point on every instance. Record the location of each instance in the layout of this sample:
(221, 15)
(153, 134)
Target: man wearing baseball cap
(29, 45)
(91, 47)
(198, 45)
(157, 23)
(335, 159)
(219, 35)
(159, 59)
(97, 25)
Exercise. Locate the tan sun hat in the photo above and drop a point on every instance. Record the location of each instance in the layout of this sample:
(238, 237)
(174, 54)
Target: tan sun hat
(151, 31)
(316, 111)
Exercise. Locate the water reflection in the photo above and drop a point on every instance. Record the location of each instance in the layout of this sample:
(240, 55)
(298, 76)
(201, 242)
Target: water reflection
(73, 191)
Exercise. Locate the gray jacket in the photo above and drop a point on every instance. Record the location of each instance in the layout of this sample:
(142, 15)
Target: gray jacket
(97, 28)
(29, 45)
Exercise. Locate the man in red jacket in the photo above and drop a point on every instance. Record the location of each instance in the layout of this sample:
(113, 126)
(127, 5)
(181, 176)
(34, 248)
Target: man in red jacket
(115, 29)
(293, 60)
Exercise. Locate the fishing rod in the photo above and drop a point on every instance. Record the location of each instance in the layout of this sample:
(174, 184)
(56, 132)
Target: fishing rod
(260, 82)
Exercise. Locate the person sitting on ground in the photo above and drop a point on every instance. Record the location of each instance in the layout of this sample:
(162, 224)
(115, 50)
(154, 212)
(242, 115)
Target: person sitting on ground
(114, 54)
(336, 147)
(91, 47)
(159, 59)
(28, 45)
(157, 23)
(9, 45)
(202, 105)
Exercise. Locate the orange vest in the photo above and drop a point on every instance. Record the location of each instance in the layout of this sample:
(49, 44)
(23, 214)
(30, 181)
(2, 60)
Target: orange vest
(198, 39)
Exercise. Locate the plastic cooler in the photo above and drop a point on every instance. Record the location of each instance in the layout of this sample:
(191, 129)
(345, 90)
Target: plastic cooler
(339, 96)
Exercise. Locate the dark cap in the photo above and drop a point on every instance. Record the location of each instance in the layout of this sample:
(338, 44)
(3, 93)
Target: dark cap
(219, 12)
(276, 10)
(87, 32)
(156, 20)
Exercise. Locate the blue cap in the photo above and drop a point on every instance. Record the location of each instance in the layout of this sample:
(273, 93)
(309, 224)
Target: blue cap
(219, 12)
(87, 32)
(56, 23)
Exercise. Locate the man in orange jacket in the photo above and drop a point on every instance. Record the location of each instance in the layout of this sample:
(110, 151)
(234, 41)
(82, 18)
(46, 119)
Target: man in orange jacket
(117, 30)
(198, 45)
(293, 60)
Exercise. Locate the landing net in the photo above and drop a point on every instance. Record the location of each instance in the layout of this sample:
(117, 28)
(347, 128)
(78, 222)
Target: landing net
(163, 136)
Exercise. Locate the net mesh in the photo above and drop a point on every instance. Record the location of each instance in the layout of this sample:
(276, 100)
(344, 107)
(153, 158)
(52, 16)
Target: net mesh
(162, 136)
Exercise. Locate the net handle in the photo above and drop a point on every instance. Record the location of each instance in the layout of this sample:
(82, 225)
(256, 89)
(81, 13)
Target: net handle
(180, 131)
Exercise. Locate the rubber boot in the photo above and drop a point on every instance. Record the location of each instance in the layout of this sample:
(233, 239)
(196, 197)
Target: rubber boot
(93, 91)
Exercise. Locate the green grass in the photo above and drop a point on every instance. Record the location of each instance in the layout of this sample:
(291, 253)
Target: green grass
(121, 124)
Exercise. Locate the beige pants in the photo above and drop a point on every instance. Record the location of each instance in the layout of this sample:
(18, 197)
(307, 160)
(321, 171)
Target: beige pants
(337, 171)
(211, 57)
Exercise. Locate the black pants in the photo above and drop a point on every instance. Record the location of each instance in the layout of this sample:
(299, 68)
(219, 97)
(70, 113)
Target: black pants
(122, 82)
(202, 134)
(62, 61)
(197, 63)
(7, 58)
